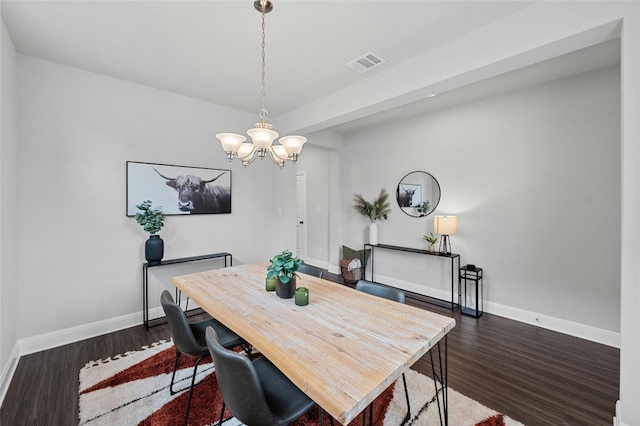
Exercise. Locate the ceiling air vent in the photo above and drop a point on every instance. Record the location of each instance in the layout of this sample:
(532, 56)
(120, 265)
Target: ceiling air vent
(366, 62)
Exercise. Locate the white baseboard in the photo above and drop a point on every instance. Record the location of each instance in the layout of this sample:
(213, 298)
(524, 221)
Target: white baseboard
(8, 371)
(324, 265)
(334, 269)
(618, 416)
(54, 339)
(571, 328)
(57, 338)
(317, 263)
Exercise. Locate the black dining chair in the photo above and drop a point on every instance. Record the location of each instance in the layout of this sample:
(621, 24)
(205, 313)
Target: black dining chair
(310, 270)
(397, 296)
(189, 339)
(255, 392)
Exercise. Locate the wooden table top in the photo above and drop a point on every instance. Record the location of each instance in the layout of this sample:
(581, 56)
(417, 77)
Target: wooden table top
(343, 349)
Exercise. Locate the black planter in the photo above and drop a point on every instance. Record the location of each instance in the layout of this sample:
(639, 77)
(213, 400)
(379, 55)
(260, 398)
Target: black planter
(286, 291)
(154, 250)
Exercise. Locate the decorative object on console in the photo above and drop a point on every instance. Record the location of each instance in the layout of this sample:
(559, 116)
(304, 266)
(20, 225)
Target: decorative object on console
(284, 266)
(432, 240)
(445, 226)
(152, 221)
(418, 194)
(379, 209)
(262, 134)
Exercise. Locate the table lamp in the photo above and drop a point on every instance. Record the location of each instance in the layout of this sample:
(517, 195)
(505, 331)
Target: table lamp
(445, 226)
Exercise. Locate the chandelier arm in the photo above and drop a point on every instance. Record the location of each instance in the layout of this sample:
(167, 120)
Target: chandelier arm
(276, 158)
(250, 157)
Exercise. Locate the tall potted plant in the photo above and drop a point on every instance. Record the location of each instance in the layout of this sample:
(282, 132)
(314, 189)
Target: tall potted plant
(284, 266)
(378, 210)
(152, 220)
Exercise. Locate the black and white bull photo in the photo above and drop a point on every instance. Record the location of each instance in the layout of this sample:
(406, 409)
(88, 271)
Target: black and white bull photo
(196, 195)
(405, 199)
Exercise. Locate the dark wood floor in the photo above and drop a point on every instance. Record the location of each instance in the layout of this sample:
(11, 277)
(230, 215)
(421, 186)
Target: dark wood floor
(535, 376)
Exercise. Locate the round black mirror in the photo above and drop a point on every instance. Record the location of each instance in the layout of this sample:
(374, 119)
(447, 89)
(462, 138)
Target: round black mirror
(418, 194)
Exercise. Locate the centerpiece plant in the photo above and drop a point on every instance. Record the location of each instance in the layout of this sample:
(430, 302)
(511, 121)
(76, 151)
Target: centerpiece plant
(284, 266)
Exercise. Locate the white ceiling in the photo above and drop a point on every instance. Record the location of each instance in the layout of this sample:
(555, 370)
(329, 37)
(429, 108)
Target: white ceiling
(210, 50)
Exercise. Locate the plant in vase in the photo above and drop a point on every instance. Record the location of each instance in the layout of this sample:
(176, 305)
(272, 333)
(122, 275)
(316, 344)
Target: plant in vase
(423, 209)
(284, 266)
(152, 220)
(432, 240)
(378, 210)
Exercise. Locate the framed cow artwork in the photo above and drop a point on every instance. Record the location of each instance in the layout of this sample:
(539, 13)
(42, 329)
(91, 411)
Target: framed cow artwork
(178, 190)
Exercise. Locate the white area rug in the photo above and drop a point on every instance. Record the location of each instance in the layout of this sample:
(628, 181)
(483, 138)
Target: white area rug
(133, 389)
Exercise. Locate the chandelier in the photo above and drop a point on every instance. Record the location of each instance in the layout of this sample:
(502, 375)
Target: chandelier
(262, 135)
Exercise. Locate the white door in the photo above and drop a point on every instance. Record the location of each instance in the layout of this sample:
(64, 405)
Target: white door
(301, 215)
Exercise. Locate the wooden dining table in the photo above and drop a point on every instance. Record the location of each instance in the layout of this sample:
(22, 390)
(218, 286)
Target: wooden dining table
(343, 349)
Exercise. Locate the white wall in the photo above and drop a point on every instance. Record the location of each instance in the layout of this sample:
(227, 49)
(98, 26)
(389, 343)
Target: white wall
(534, 178)
(8, 210)
(79, 256)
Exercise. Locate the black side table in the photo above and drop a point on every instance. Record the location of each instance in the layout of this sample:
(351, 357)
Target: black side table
(471, 286)
(228, 260)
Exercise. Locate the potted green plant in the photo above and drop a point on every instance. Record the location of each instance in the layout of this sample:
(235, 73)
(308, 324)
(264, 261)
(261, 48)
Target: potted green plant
(152, 220)
(378, 210)
(423, 209)
(284, 266)
(432, 240)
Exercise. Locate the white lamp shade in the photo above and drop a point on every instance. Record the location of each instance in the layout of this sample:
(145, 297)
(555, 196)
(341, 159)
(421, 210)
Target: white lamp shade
(293, 144)
(262, 138)
(445, 225)
(230, 141)
(245, 150)
(279, 151)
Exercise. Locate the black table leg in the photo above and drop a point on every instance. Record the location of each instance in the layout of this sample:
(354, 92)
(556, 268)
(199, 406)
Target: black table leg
(440, 377)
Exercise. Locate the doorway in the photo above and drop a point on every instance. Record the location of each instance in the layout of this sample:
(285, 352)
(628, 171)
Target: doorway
(301, 215)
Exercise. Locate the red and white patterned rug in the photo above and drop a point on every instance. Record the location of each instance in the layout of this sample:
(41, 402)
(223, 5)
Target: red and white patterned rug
(133, 389)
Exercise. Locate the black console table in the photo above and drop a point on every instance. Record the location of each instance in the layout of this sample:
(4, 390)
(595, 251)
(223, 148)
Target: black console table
(145, 281)
(433, 300)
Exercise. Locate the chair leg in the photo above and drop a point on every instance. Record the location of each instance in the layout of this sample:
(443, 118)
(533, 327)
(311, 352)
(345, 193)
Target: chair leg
(222, 414)
(321, 417)
(175, 368)
(193, 382)
(247, 348)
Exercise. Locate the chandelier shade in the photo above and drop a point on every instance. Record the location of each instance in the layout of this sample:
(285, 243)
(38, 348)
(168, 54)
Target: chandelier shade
(230, 141)
(262, 136)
